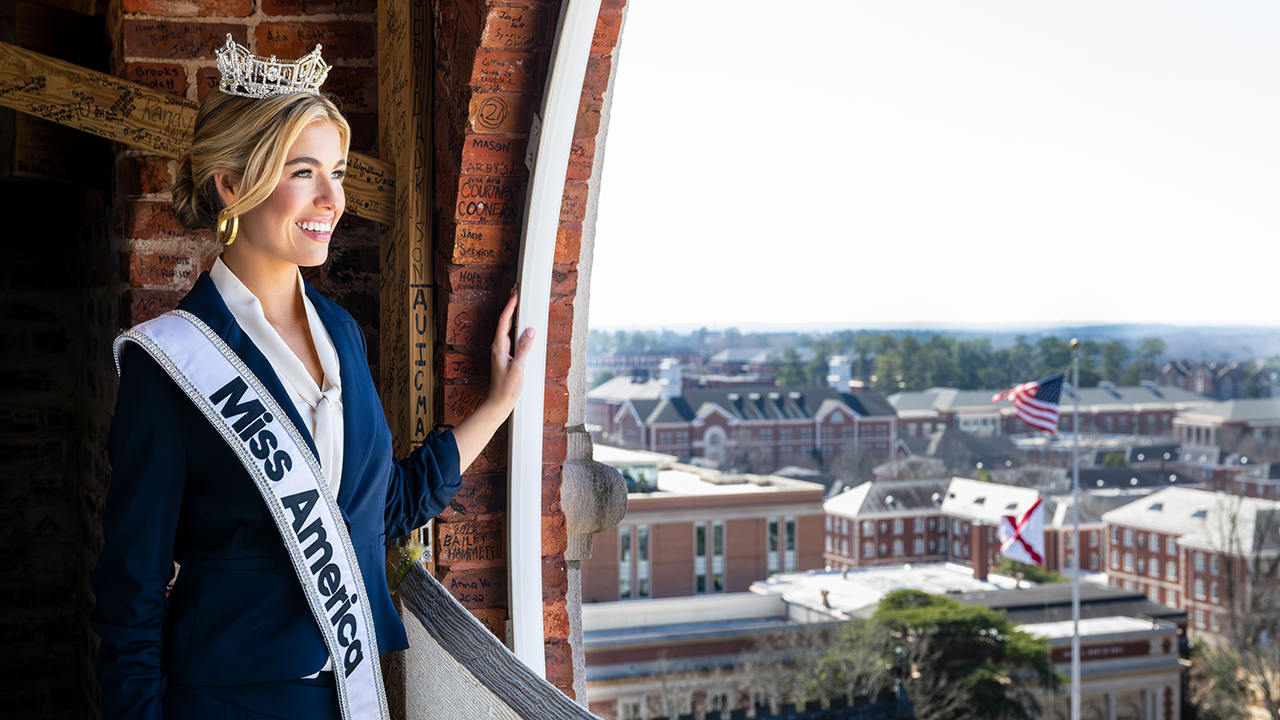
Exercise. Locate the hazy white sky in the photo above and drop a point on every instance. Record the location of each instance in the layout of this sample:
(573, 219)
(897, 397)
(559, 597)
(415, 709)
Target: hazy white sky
(871, 162)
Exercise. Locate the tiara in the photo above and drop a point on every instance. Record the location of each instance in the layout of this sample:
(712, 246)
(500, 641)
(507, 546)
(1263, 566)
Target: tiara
(249, 75)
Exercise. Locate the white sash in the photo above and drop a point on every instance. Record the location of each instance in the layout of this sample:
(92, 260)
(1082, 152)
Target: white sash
(260, 433)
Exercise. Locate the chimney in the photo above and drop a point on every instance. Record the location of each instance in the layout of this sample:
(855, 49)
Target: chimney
(840, 372)
(670, 379)
(978, 550)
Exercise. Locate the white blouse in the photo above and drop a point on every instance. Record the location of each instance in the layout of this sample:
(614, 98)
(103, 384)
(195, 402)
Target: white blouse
(319, 408)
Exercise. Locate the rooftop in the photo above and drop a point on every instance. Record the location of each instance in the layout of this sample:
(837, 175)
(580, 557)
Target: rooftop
(988, 502)
(689, 480)
(887, 498)
(1091, 627)
(1262, 411)
(1210, 520)
(936, 400)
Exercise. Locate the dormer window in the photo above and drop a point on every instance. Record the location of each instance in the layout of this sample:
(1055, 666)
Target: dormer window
(1200, 514)
(979, 501)
(1157, 507)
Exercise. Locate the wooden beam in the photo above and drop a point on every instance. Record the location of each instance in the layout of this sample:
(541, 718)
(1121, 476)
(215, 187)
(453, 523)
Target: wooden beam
(129, 113)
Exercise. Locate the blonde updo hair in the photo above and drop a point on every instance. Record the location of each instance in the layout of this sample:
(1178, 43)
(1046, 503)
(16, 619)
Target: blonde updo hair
(248, 140)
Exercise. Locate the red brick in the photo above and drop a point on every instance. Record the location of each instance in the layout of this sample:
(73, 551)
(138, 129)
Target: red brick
(555, 444)
(564, 280)
(555, 621)
(479, 498)
(167, 39)
(460, 401)
(514, 28)
(494, 620)
(555, 408)
(502, 114)
(573, 203)
(137, 305)
(596, 81)
(555, 577)
(560, 323)
(588, 122)
(339, 39)
(493, 458)
(162, 270)
(478, 587)
(505, 71)
(496, 199)
(207, 78)
(190, 8)
(559, 359)
(551, 481)
(488, 155)
(582, 158)
(146, 220)
(317, 7)
(356, 88)
(568, 243)
(612, 4)
(480, 541)
(471, 324)
(457, 366)
(164, 77)
(608, 28)
(559, 664)
(567, 691)
(147, 174)
(478, 281)
(555, 539)
(485, 244)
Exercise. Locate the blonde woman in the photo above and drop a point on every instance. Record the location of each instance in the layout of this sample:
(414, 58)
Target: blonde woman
(249, 445)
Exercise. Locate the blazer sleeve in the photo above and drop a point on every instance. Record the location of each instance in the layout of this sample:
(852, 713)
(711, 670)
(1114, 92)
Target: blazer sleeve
(422, 484)
(148, 473)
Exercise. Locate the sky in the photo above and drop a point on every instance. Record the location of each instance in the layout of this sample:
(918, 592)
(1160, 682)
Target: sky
(873, 163)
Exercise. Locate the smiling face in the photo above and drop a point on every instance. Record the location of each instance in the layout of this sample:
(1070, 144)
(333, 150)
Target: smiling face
(296, 221)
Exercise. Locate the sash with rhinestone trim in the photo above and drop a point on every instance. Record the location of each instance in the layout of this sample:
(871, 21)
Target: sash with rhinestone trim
(293, 486)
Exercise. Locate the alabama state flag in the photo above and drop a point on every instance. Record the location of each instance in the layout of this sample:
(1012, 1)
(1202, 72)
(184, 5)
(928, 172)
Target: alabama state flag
(1022, 538)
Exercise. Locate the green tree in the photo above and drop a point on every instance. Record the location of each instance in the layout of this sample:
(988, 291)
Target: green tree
(1115, 355)
(1146, 362)
(1054, 356)
(1217, 688)
(1034, 573)
(998, 665)
(791, 370)
(818, 366)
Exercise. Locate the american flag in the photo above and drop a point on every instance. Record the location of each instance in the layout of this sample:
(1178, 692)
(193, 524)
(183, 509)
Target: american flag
(1036, 403)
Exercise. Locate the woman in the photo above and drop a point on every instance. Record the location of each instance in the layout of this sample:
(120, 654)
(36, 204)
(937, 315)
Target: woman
(240, 635)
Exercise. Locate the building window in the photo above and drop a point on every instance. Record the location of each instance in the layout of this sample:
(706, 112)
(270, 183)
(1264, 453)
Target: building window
(717, 557)
(1153, 593)
(955, 526)
(1199, 589)
(918, 525)
(718, 702)
(1115, 535)
(624, 562)
(1155, 542)
(918, 546)
(1213, 564)
(1171, 571)
(829, 542)
(826, 433)
(933, 525)
(942, 544)
(844, 547)
(828, 523)
(1213, 622)
(771, 546)
(700, 558)
(1128, 562)
(884, 550)
(1171, 598)
(897, 527)
(789, 557)
(884, 527)
(766, 434)
(1199, 562)
(1213, 592)
(897, 547)
(1171, 546)
(1155, 568)
(1200, 618)
(933, 547)
(1093, 561)
(1128, 538)
(784, 433)
(642, 561)
(1142, 540)
(846, 431)
(1142, 566)
(868, 549)
(1115, 559)
(631, 709)
(1093, 538)
(806, 433)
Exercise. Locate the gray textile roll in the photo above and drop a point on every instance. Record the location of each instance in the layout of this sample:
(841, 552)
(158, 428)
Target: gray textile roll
(455, 668)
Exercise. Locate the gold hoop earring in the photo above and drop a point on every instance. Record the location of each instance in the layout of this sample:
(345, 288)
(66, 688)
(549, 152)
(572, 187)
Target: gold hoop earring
(228, 236)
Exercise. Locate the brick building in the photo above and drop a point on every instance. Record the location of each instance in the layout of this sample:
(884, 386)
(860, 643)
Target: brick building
(1131, 410)
(886, 523)
(760, 429)
(704, 532)
(440, 98)
(1183, 548)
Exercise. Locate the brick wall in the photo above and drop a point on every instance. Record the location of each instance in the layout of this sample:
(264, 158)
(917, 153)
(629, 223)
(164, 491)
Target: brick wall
(57, 304)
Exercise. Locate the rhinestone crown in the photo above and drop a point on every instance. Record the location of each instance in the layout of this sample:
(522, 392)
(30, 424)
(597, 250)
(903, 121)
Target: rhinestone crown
(249, 75)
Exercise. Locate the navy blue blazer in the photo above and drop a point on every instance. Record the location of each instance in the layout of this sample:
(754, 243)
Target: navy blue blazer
(237, 613)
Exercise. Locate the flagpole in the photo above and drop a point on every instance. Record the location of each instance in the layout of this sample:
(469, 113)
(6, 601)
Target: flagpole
(1075, 518)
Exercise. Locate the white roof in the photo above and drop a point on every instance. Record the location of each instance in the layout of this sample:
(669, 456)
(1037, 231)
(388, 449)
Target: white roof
(622, 457)
(692, 480)
(861, 588)
(985, 501)
(1092, 627)
(1203, 519)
